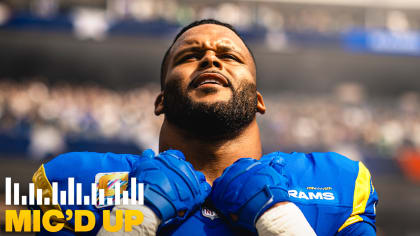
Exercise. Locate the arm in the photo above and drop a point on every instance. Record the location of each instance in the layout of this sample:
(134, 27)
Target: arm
(285, 219)
(148, 227)
(363, 217)
(358, 229)
(172, 191)
(253, 194)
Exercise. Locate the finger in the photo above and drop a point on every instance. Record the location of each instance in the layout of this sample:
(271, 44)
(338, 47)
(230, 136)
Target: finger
(203, 185)
(267, 159)
(206, 188)
(200, 176)
(238, 168)
(148, 153)
(175, 153)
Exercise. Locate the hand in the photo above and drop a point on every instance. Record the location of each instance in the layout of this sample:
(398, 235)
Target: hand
(172, 188)
(247, 189)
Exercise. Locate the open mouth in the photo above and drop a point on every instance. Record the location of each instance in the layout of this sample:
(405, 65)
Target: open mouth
(210, 78)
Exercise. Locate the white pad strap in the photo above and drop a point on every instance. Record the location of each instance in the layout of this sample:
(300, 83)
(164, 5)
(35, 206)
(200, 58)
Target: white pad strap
(149, 226)
(284, 220)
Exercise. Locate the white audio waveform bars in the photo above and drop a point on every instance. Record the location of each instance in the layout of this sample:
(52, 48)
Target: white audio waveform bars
(97, 195)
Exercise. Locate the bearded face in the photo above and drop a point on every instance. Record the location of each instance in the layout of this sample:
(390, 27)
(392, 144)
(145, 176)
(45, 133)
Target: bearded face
(217, 120)
(209, 85)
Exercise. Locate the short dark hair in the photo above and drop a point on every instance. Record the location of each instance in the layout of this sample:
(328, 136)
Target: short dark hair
(163, 65)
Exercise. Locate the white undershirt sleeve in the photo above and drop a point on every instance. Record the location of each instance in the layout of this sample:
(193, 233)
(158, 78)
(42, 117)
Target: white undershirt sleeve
(148, 228)
(284, 220)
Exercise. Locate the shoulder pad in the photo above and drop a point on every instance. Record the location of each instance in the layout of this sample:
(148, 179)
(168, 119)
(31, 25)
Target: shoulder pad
(86, 168)
(318, 171)
(85, 165)
(319, 161)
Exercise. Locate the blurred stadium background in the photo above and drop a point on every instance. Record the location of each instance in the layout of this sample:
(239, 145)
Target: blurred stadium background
(337, 75)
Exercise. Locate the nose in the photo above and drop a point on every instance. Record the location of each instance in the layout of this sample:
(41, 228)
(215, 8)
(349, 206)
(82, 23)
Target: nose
(209, 60)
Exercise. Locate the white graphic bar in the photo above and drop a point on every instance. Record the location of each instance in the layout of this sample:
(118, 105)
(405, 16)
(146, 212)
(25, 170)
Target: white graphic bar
(93, 194)
(141, 193)
(16, 194)
(79, 194)
(31, 194)
(24, 200)
(133, 191)
(71, 191)
(63, 197)
(8, 191)
(54, 193)
(86, 200)
(97, 196)
(117, 193)
(125, 198)
(109, 201)
(101, 196)
(39, 197)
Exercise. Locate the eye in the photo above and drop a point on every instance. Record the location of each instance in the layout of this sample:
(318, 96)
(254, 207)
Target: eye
(188, 57)
(229, 56)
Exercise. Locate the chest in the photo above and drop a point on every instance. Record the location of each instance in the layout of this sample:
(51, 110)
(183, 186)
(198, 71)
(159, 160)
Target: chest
(323, 192)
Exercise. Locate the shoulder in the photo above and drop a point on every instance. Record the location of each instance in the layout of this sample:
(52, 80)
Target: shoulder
(338, 184)
(85, 161)
(84, 166)
(328, 171)
(328, 166)
(319, 163)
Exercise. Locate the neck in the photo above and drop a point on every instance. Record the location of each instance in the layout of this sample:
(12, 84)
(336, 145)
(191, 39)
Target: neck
(212, 157)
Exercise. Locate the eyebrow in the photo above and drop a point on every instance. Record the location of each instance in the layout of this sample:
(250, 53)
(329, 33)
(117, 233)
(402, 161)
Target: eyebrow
(219, 48)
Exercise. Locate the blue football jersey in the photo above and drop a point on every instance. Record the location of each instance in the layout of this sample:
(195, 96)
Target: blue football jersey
(332, 191)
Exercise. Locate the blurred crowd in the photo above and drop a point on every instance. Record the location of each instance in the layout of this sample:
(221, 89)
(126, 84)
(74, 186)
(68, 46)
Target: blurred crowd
(94, 18)
(326, 122)
(346, 121)
(50, 115)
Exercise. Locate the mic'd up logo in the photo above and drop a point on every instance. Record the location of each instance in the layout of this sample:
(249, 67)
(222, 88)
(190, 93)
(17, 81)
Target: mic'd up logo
(48, 204)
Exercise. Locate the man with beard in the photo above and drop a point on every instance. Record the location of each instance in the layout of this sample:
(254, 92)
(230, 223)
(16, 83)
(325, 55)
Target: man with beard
(209, 100)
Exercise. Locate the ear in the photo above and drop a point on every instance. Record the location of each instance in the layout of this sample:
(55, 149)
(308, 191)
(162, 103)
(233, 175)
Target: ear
(260, 103)
(159, 104)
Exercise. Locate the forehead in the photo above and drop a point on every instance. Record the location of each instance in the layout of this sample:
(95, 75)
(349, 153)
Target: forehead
(211, 35)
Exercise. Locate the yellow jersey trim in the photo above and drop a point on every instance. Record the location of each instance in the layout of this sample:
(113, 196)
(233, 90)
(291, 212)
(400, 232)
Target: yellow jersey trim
(41, 181)
(362, 191)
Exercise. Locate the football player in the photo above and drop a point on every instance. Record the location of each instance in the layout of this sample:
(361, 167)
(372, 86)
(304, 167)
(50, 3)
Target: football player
(209, 100)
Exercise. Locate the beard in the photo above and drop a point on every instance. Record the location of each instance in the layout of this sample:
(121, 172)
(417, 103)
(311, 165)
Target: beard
(211, 121)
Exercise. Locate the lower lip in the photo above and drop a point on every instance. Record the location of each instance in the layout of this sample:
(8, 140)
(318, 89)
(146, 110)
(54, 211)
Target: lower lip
(209, 85)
